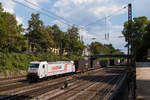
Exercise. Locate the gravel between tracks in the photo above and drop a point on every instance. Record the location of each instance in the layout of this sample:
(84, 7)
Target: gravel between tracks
(91, 85)
(85, 90)
(32, 88)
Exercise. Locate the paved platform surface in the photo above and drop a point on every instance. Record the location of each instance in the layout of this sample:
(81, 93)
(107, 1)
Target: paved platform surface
(143, 83)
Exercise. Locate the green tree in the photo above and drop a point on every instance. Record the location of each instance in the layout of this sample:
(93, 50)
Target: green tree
(1, 8)
(67, 41)
(46, 41)
(39, 36)
(75, 45)
(145, 44)
(97, 48)
(58, 36)
(73, 33)
(11, 37)
(34, 31)
(139, 31)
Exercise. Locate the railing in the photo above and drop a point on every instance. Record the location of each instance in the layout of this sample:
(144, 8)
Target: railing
(121, 91)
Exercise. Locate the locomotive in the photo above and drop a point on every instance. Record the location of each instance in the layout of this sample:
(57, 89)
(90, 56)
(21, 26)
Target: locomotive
(44, 69)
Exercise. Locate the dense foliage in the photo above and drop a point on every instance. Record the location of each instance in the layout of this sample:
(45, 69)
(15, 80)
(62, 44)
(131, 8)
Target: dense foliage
(14, 61)
(140, 36)
(11, 39)
(97, 49)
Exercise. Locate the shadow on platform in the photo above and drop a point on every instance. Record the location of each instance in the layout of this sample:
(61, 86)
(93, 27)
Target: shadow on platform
(143, 89)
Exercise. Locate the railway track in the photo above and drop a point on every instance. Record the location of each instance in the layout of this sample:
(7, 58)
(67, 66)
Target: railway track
(16, 91)
(11, 78)
(8, 81)
(79, 84)
(85, 89)
(91, 85)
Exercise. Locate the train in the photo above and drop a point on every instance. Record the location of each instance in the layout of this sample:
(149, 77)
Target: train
(44, 69)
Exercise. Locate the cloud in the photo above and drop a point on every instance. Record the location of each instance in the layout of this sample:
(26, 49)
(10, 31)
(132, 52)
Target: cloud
(83, 12)
(8, 5)
(141, 8)
(98, 32)
(33, 3)
(19, 20)
(103, 11)
(85, 33)
(86, 36)
(86, 9)
(117, 27)
(62, 24)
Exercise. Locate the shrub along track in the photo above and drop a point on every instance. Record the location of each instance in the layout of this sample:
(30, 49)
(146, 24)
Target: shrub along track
(20, 90)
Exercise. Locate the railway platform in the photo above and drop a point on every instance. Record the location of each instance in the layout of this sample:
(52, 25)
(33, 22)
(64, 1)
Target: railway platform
(143, 83)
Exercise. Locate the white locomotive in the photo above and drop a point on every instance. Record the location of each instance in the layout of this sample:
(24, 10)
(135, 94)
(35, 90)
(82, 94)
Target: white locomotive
(43, 69)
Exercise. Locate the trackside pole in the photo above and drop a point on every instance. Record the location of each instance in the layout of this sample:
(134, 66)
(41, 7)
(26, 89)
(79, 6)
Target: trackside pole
(131, 77)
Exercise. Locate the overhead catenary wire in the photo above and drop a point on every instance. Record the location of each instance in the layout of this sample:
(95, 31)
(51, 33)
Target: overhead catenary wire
(103, 18)
(42, 13)
(35, 9)
(45, 10)
(64, 20)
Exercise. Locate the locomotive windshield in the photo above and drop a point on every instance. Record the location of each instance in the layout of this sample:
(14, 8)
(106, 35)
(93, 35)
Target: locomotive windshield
(34, 65)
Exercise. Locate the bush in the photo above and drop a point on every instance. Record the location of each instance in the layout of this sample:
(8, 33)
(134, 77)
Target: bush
(15, 61)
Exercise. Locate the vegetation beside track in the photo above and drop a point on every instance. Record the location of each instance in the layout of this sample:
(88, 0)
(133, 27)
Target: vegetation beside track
(15, 61)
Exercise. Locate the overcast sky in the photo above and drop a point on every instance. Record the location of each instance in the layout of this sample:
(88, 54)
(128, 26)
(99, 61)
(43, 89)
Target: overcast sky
(80, 13)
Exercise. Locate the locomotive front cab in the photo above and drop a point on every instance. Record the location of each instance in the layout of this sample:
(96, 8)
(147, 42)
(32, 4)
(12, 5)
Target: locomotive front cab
(33, 71)
(37, 70)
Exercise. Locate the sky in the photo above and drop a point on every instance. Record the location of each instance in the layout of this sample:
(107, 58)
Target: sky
(90, 16)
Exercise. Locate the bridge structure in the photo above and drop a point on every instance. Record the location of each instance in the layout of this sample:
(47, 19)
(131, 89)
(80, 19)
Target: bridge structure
(113, 55)
(109, 56)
